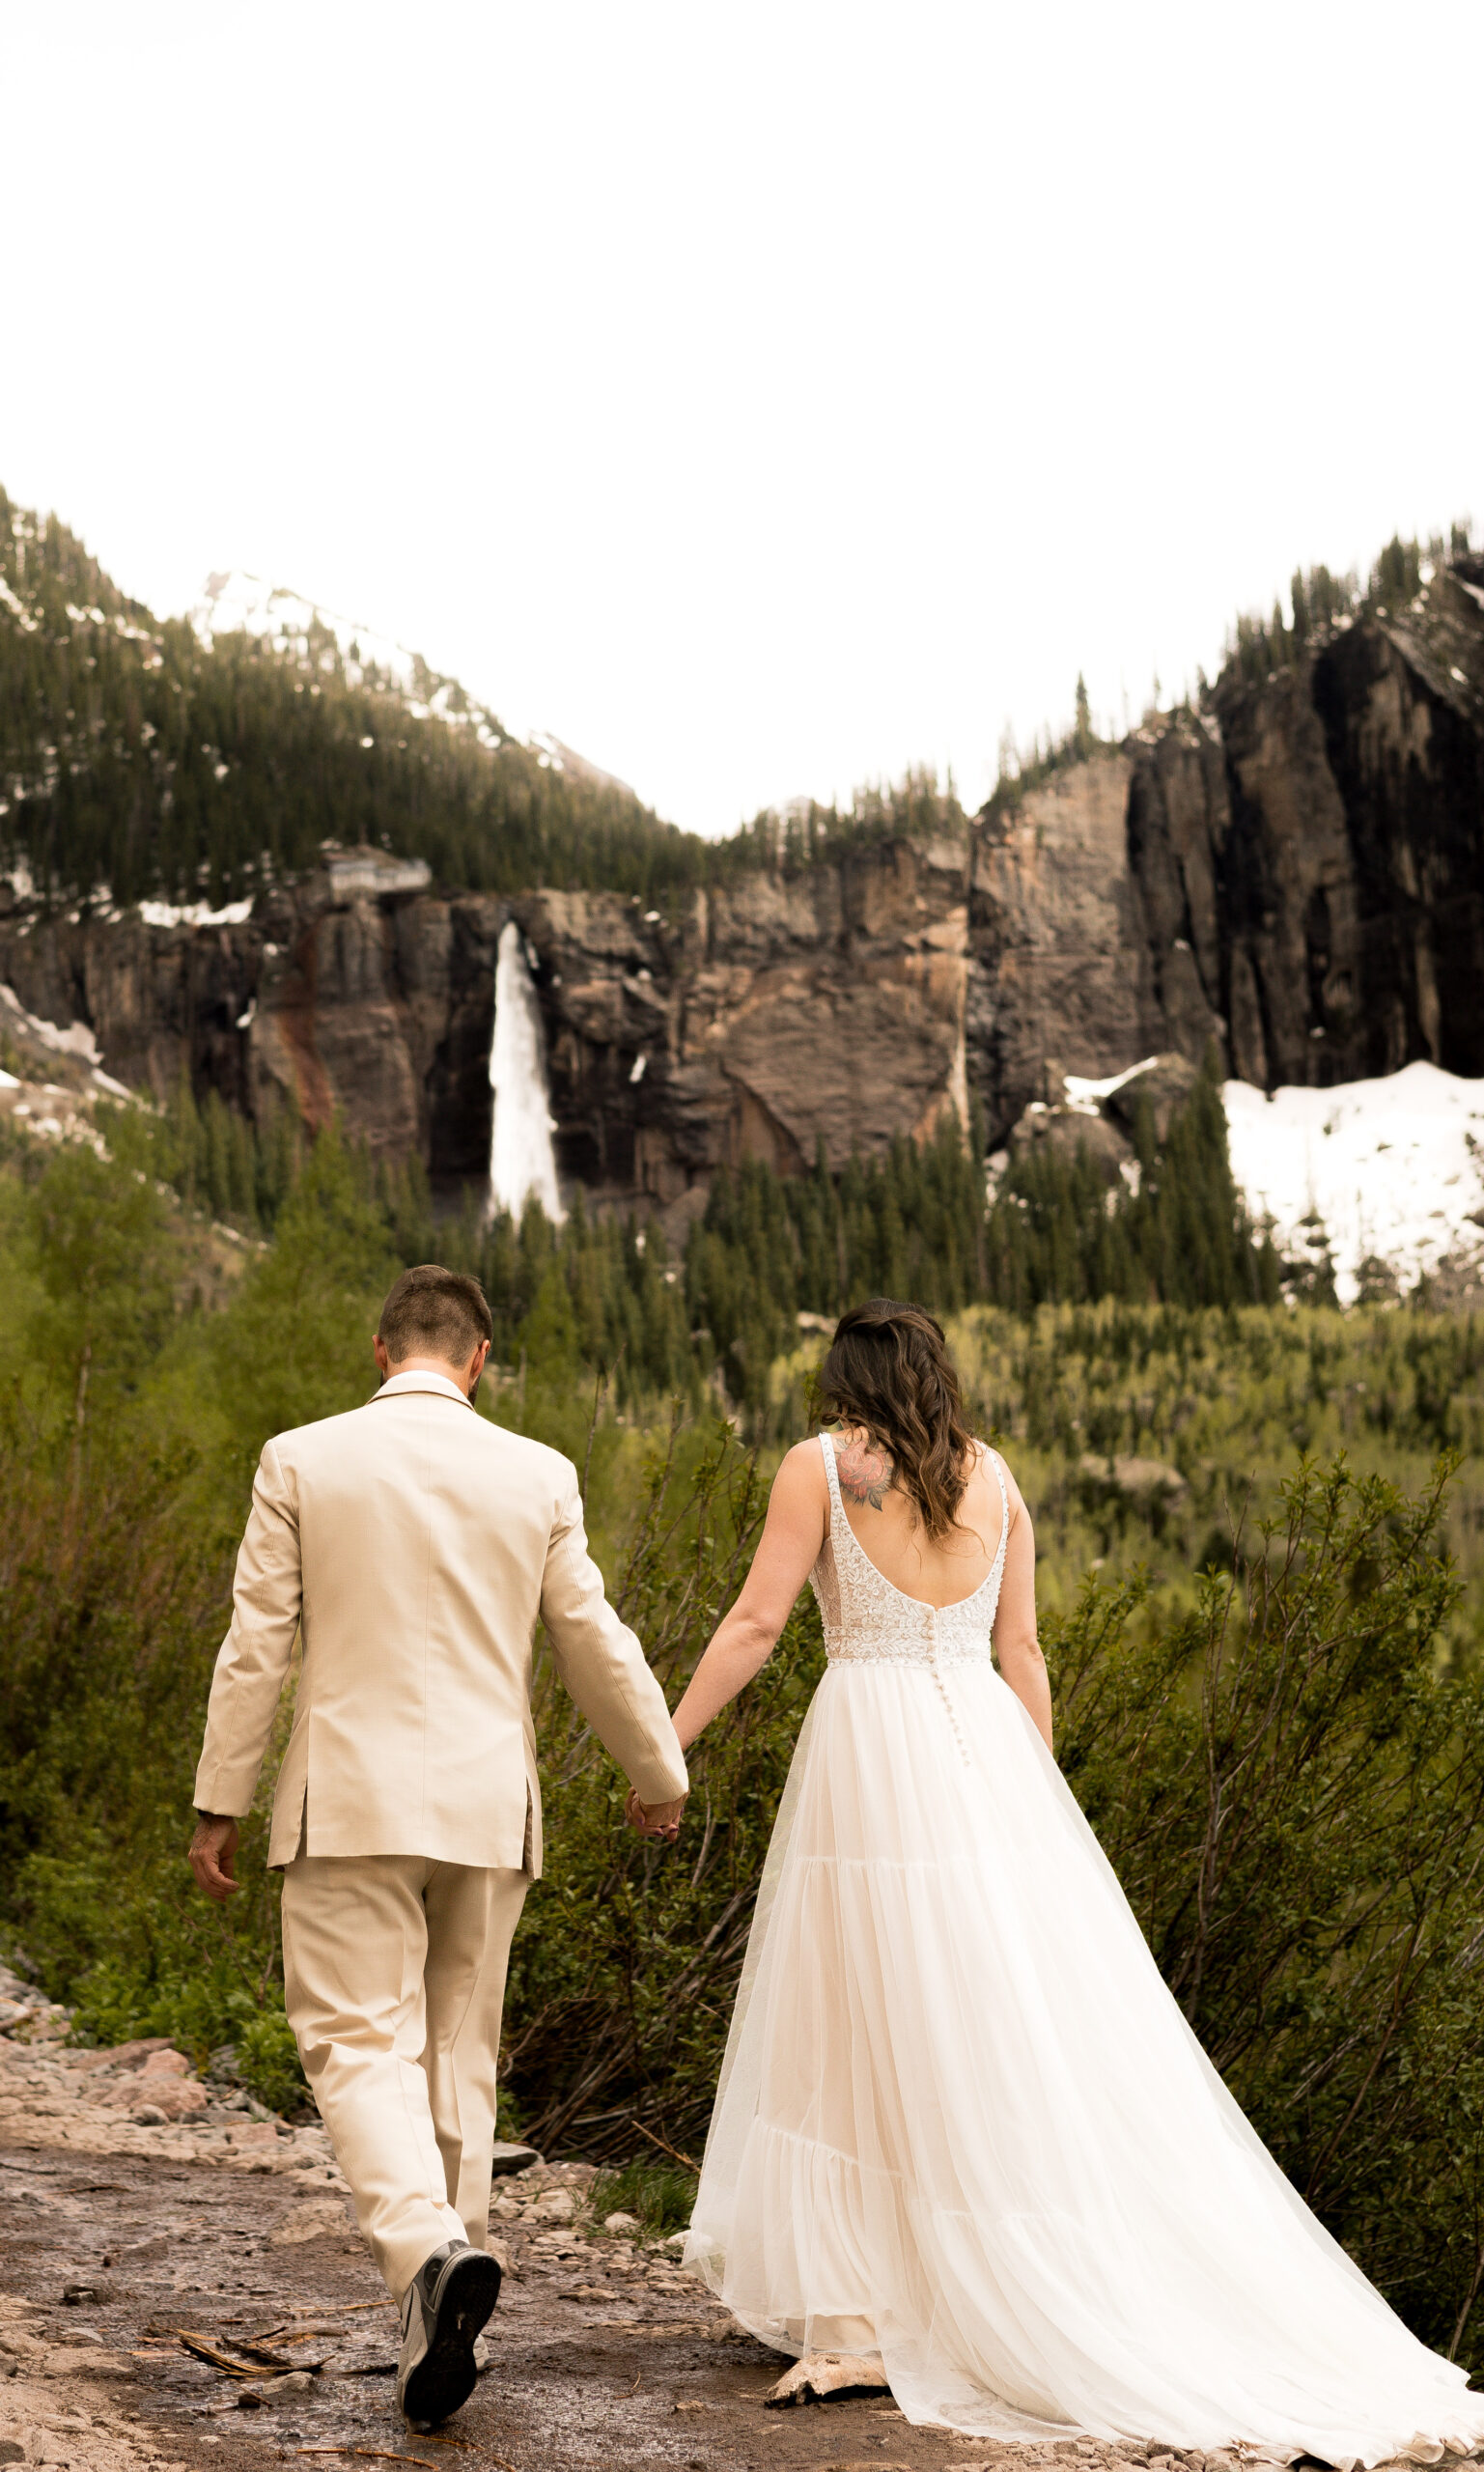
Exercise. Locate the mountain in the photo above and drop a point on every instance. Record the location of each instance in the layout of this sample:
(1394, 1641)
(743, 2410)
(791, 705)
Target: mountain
(196, 761)
(1291, 870)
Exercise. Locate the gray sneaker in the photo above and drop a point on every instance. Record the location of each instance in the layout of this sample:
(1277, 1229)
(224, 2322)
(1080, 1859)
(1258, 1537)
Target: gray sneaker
(447, 2302)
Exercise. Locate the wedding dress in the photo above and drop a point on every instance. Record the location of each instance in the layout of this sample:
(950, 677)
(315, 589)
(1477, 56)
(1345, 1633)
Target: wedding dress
(964, 2128)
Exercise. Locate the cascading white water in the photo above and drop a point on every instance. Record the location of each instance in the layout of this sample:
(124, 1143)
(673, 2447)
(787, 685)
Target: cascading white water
(522, 1159)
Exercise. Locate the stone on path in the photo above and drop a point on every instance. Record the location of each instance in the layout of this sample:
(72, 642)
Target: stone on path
(821, 2375)
(507, 2158)
(310, 2222)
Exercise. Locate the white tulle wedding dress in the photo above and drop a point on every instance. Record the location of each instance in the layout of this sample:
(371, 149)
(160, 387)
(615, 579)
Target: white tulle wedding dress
(962, 2124)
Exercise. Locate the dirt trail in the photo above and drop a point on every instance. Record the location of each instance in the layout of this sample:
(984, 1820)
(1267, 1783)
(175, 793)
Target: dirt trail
(115, 2237)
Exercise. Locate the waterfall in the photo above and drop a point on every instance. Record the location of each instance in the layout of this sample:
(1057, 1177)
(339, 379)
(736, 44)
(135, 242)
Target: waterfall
(521, 1159)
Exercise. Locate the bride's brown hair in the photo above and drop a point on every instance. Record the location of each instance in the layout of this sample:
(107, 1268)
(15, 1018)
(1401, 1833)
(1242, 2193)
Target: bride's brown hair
(888, 1370)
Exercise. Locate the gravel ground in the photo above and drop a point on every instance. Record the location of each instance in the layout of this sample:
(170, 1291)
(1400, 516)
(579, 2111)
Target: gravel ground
(118, 2238)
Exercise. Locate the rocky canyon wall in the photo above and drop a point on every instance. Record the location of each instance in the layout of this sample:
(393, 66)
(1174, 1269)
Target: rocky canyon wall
(1297, 872)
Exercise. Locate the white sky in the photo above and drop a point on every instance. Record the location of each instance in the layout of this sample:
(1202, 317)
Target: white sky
(761, 396)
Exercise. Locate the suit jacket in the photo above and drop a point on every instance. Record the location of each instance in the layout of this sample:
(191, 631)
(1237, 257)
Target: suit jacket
(417, 1544)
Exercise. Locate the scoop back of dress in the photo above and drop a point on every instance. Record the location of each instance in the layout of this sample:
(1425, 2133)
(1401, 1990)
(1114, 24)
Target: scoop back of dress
(963, 2125)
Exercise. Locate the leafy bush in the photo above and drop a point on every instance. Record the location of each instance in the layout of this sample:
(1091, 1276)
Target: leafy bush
(268, 2062)
(1293, 1797)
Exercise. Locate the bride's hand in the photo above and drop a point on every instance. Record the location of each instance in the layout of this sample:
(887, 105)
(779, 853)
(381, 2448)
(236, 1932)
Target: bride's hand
(654, 1819)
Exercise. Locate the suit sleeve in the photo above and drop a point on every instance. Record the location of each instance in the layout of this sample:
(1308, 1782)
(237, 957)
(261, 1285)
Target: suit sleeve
(266, 1598)
(601, 1664)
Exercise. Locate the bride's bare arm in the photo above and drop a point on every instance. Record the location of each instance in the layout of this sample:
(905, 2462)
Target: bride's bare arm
(745, 1639)
(1016, 1645)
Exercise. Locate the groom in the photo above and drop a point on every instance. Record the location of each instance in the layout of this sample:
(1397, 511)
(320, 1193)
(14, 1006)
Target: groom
(413, 1546)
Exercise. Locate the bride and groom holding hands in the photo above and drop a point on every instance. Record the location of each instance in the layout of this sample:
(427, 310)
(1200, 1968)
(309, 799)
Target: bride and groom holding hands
(962, 2131)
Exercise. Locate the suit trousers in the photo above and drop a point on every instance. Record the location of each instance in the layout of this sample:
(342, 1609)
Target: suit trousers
(394, 1980)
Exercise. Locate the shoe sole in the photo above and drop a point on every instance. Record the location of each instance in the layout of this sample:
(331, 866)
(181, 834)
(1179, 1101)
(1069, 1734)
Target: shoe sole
(445, 2376)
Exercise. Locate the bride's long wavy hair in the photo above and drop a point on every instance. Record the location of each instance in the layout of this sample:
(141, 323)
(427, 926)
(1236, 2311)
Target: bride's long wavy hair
(888, 1370)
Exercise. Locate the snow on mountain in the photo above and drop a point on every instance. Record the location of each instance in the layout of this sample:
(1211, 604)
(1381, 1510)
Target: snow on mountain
(1394, 1168)
(234, 602)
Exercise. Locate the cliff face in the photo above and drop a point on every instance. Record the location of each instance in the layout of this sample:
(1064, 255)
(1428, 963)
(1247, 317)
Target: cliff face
(1321, 845)
(768, 1019)
(1298, 873)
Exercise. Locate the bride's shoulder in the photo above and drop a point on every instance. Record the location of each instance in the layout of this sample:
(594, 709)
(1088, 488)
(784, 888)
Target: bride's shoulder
(801, 1470)
(798, 1504)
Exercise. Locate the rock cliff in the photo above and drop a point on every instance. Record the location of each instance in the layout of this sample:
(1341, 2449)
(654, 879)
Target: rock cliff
(1295, 872)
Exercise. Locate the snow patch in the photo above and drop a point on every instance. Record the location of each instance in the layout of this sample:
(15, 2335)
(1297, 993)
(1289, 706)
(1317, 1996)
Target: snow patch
(13, 601)
(243, 605)
(75, 1040)
(194, 913)
(1087, 1097)
(1394, 1168)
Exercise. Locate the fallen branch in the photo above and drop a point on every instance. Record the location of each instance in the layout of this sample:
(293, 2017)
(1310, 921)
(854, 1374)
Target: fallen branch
(379, 2455)
(334, 2309)
(250, 2362)
(665, 2148)
(374, 2454)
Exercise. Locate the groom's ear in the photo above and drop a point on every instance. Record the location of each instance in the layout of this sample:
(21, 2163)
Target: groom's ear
(378, 1351)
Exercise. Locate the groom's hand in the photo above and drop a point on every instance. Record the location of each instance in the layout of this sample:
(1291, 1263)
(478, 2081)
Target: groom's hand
(654, 1819)
(213, 1854)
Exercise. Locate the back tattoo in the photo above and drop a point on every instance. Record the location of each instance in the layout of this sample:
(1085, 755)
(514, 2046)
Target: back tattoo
(865, 1471)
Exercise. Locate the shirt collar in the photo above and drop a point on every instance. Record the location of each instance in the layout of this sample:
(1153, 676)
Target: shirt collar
(439, 1383)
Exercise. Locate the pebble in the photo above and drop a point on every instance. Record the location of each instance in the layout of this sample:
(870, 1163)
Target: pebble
(310, 2222)
(557, 2206)
(273, 2390)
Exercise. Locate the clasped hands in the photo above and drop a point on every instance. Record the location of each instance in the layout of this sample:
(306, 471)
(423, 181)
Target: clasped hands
(654, 1819)
(213, 1847)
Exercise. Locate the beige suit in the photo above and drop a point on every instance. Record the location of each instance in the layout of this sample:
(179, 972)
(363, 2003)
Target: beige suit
(416, 1545)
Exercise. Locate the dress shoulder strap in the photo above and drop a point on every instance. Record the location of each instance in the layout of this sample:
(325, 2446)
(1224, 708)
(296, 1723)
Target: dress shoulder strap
(832, 1480)
(999, 1466)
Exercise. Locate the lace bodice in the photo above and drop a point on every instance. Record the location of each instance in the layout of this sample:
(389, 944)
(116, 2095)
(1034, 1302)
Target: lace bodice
(868, 1620)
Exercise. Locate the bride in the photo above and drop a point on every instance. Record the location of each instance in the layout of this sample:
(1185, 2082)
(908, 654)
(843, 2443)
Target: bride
(962, 2128)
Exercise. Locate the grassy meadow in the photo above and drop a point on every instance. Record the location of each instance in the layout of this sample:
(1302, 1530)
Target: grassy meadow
(1259, 1552)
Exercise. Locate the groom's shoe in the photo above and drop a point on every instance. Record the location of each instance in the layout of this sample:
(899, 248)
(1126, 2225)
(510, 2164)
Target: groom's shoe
(446, 2304)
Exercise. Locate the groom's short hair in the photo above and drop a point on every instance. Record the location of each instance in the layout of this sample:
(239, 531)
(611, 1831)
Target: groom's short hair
(431, 1311)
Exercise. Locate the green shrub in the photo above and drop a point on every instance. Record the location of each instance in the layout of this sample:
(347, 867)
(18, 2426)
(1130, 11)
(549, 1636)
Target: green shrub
(662, 2196)
(268, 2062)
(1291, 1788)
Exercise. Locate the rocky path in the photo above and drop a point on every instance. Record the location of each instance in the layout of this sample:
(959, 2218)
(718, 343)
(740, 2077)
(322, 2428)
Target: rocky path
(153, 2235)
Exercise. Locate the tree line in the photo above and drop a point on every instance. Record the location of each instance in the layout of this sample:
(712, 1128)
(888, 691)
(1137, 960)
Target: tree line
(602, 1292)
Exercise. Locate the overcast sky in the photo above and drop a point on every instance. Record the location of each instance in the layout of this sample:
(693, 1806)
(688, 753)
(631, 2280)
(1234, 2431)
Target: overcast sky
(763, 398)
